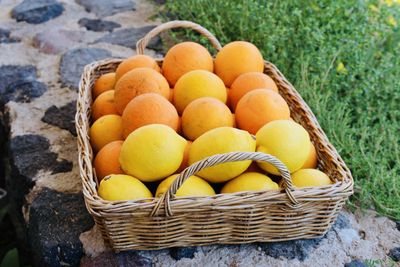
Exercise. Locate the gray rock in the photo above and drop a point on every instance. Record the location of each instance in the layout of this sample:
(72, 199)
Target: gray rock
(5, 37)
(55, 222)
(63, 117)
(398, 225)
(109, 259)
(37, 11)
(73, 62)
(23, 91)
(11, 73)
(57, 40)
(179, 253)
(342, 222)
(394, 253)
(106, 7)
(355, 263)
(98, 25)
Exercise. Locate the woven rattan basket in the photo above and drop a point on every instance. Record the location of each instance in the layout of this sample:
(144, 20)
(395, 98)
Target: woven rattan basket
(225, 218)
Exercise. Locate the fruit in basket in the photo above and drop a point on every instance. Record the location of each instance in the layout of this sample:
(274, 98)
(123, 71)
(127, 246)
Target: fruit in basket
(218, 141)
(196, 84)
(310, 177)
(117, 187)
(152, 152)
(249, 181)
(136, 82)
(105, 130)
(247, 82)
(104, 83)
(286, 140)
(312, 160)
(104, 105)
(204, 114)
(237, 58)
(185, 57)
(137, 61)
(150, 108)
(185, 161)
(259, 107)
(193, 187)
(106, 161)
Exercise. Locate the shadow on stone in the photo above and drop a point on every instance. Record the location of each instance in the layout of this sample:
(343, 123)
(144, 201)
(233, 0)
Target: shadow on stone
(63, 117)
(179, 253)
(110, 259)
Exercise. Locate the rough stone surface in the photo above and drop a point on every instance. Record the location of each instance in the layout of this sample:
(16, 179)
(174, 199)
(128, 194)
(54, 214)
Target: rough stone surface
(56, 40)
(11, 74)
(394, 254)
(98, 25)
(105, 7)
(180, 253)
(299, 249)
(355, 263)
(23, 91)
(398, 225)
(73, 62)
(342, 222)
(6, 38)
(63, 117)
(51, 217)
(109, 259)
(37, 11)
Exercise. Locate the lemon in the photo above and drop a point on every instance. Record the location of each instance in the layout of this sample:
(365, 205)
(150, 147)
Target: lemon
(193, 187)
(152, 152)
(249, 181)
(286, 140)
(122, 187)
(218, 141)
(310, 177)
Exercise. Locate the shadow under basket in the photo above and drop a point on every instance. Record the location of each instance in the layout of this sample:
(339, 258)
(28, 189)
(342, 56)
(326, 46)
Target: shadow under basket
(246, 217)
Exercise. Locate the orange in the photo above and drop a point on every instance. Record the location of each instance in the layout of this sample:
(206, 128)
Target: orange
(204, 114)
(106, 161)
(185, 161)
(104, 105)
(247, 82)
(136, 82)
(258, 107)
(147, 109)
(104, 83)
(184, 57)
(237, 58)
(311, 162)
(138, 61)
(196, 84)
(105, 130)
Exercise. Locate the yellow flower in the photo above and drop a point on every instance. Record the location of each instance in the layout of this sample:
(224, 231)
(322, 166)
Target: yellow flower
(341, 68)
(389, 3)
(392, 21)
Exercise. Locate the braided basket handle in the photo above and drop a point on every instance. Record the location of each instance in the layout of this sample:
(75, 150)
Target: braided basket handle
(218, 159)
(142, 43)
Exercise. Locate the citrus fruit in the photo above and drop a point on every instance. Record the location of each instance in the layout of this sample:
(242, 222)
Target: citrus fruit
(287, 141)
(185, 161)
(184, 57)
(311, 162)
(122, 187)
(237, 58)
(258, 107)
(106, 161)
(204, 114)
(137, 61)
(150, 108)
(196, 84)
(152, 152)
(218, 141)
(136, 82)
(310, 177)
(193, 187)
(106, 129)
(104, 83)
(249, 181)
(104, 105)
(247, 82)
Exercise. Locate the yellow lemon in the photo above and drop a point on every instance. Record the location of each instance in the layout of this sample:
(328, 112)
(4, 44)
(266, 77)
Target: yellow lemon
(310, 177)
(106, 129)
(122, 187)
(312, 160)
(249, 181)
(286, 140)
(193, 187)
(218, 141)
(152, 152)
(196, 84)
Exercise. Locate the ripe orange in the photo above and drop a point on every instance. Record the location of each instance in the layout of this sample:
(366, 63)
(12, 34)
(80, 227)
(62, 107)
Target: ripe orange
(247, 82)
(311, 162)
(147, 109)
(237, 58)
(136, 82)
(105, 130)
(104, 83)
(258, 107)
(204, 114)
(184, 57)
(137, 61)
(106, 161)
(104, 105)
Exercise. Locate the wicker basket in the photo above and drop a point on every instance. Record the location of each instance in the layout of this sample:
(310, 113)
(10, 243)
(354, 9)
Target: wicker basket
(243, 217)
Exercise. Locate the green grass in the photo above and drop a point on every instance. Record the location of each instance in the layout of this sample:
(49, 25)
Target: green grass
(344, 59)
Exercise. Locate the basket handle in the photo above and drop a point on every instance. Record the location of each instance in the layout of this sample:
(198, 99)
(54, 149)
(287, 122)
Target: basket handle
(142, 43)
(218, 159)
